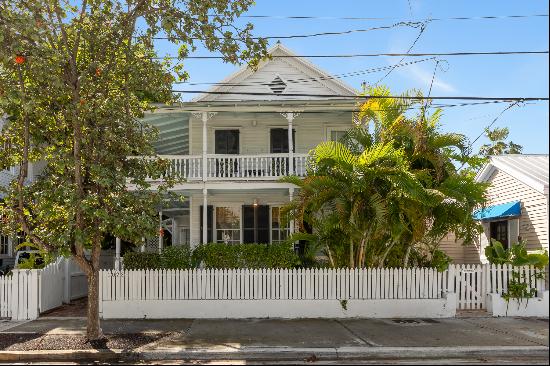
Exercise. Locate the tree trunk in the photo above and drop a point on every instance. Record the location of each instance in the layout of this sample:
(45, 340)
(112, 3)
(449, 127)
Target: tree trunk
(407, 254)
(93, 328)
(351, 261)
(386, 252)
(331, 260)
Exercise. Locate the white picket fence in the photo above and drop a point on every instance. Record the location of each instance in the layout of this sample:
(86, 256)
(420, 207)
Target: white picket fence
(19, 298)
(210, 292)
(27, 293)
(273, 284)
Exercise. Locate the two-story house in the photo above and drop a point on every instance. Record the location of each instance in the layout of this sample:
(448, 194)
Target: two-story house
(233, 143)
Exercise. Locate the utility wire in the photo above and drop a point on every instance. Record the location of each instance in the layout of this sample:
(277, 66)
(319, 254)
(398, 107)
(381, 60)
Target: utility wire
(471, 144)
(313, 79)
(422, 29)
(509, 99)
(488, 53)
(319, 34)
(306, 17)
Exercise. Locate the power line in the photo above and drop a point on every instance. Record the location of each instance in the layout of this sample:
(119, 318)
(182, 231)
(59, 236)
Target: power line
(508, 99)
(341, 110)
(306, 17)
(471, 144)
(320, 34)
(422, 29)
(447, 54)
(312, 79)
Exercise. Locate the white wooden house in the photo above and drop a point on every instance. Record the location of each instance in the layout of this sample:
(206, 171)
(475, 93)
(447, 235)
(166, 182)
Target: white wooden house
(233, 144)
(517, 207)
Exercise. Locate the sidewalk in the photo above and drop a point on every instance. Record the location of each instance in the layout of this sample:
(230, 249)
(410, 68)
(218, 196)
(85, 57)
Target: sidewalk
(272, 339)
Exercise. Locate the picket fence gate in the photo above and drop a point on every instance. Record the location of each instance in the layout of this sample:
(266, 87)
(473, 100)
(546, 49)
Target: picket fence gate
(473, 282)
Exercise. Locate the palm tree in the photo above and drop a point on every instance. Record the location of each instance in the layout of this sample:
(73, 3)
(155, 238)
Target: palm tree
(389, 186)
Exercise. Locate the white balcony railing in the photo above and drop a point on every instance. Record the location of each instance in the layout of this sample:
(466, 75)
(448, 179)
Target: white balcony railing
(235, 167)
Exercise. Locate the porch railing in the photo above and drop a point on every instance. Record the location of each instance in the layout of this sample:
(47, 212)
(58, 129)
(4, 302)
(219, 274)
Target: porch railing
(235, 167)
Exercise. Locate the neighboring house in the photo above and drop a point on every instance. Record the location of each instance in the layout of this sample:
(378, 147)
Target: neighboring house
(6, 241)
(517, 207)
(232, 149)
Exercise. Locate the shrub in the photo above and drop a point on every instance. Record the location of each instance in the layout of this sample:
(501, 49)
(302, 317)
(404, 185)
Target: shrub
(217, 255)
(137, 260)
(176, 257)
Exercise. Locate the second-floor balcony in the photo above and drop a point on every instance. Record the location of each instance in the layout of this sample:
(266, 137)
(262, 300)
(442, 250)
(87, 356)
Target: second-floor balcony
(235, 167)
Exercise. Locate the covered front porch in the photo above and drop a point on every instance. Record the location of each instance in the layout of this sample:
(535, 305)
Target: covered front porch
(238, 212)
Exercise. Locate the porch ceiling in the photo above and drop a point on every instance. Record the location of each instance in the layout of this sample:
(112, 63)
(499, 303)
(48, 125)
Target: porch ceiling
(173, 132)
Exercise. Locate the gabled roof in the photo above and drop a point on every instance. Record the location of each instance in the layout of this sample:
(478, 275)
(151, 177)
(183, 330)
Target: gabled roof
(309, 72)
(531, 169)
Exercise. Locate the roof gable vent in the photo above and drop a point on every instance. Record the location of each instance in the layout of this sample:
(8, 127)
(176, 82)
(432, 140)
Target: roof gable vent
(277, 86)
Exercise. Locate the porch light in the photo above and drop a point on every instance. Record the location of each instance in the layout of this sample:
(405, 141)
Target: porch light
(255, 203)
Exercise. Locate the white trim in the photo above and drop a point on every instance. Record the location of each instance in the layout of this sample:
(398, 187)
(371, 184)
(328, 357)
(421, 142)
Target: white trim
(487, 171)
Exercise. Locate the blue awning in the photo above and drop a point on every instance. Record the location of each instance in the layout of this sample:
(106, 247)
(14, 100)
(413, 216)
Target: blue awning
(505, 210)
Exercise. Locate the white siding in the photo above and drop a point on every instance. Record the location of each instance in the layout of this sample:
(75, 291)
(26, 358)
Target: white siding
(311, 129)
(533, 224)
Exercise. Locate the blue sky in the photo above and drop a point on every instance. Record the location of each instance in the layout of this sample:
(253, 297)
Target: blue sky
(506, 76)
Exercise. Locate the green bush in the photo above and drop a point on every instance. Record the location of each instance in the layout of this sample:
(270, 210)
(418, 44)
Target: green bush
(137, 260)
(216, 255)
(177, 257)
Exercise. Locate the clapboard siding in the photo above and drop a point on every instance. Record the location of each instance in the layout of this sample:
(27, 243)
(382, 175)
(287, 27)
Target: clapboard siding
(310, 130)
(533, 224)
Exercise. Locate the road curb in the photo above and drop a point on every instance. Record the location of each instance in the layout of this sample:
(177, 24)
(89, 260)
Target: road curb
(277, 353)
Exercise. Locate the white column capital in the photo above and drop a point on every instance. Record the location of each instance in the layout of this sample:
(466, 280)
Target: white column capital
(290, 115)
(204, 116)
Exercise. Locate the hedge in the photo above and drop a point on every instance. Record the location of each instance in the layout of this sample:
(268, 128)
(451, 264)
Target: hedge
(216, 255)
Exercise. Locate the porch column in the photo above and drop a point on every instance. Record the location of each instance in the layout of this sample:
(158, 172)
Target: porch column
(204, 145)
(290, 119)
(204, 216)
(117, 254)
(160, 231)
(142, 248)
(291, 197)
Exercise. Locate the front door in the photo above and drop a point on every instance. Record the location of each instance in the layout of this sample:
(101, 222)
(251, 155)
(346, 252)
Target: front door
(499, 231)
(227, 143)
(255, 224)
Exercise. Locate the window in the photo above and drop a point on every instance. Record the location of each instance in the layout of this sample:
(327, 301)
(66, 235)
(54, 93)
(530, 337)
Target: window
(228, 225)
(336, 135)
(4, 245)
(278, 233)
(227, 142)
(279, 140)
(499, 231)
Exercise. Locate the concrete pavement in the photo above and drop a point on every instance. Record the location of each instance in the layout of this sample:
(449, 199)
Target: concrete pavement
(315, 339)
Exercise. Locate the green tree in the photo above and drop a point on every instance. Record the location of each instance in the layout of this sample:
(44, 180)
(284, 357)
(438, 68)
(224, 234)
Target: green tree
(75, 78)
(391, 185)
(498, 144)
